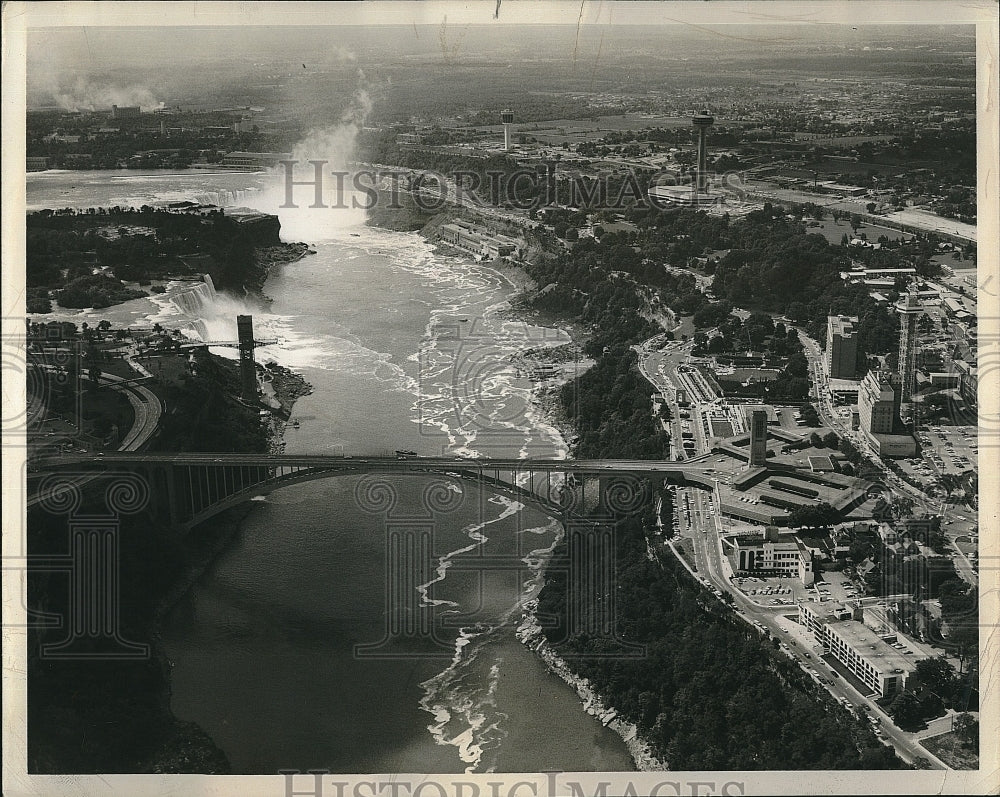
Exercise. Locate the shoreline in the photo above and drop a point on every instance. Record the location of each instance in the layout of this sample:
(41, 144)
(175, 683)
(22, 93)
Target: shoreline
(529, 632)
(549, 368)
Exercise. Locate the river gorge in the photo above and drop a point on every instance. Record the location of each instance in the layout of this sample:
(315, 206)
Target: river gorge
(406, 348)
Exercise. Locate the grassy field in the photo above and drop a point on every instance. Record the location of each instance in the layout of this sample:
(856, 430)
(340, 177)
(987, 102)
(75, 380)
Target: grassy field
(950, 749)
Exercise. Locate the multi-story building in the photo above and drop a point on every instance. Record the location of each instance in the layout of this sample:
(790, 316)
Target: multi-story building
(875, 658)
(878, 410)
(876, 403)
(770, 554)
(125, 112)
(482, 244)
(255, 160)
(968, 382)
(758, 438)
(841, 346)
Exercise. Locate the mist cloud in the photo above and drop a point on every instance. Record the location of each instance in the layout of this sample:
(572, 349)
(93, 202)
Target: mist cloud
(84, 95)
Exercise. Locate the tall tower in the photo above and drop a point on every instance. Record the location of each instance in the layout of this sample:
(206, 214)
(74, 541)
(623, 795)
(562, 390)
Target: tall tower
(909, 310)
(758, 438)
(507, 119)
(841, 346)
(702, 122)
(248, 368)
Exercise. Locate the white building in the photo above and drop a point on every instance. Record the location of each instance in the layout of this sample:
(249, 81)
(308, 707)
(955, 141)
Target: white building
(876, 659)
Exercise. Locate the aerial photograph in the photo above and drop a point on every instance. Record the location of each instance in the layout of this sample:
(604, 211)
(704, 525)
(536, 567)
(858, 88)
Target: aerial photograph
(459, 392)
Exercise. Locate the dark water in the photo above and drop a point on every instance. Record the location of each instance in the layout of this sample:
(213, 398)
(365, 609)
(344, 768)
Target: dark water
(406, 348)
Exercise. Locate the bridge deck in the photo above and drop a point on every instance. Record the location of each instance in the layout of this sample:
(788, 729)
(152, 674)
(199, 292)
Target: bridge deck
(437, 464)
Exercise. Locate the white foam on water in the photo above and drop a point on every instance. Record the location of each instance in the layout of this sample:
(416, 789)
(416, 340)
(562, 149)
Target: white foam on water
(475, 533)
(462, 700)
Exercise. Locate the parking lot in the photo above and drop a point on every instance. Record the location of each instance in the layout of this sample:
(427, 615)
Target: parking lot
(834, 586)
(771, 590)
(948, 449)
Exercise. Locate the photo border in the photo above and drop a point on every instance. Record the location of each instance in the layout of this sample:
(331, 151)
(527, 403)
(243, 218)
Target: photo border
(19, 16)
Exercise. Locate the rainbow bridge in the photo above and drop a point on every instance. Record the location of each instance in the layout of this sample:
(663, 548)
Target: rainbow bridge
(191, 488)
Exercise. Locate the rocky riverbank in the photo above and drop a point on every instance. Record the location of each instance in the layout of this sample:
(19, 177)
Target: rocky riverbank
(530, 633)
(550, 368)
(282, 388)
(267, 257)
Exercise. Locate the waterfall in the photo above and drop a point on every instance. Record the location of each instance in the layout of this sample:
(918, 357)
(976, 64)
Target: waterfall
(225, 198)
(212, 314)
(195, 299)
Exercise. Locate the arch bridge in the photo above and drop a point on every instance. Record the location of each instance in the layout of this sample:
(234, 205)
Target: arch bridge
(192, 488)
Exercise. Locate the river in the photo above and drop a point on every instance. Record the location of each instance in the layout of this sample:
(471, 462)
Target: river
(406, 348)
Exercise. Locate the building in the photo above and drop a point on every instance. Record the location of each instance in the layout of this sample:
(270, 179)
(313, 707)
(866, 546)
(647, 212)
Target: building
(125, 112)
(768, 554)
(476, 241)
(244, 125)
(876, 658)
(409, 138)
(255, 160)
(702, 122)
(878, 413)
(968, 382)
(877, 403)
(36, 164)
(909, 309)
(844, 391)
(840, 188)
(758, 438)
(841, 346)
(506, 119)
(698, 192)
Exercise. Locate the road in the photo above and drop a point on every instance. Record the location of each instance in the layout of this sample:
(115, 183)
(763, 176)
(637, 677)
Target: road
(589, 466)
(147, 409)
(699, 521)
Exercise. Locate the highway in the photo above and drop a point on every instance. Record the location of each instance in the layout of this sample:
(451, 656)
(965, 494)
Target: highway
(147, 409)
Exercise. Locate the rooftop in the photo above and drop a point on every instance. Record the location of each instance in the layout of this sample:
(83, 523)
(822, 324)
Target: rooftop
(875, 650)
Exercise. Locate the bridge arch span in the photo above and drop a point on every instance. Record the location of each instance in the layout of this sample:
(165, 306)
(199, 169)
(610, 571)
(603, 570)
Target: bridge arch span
(557, 509)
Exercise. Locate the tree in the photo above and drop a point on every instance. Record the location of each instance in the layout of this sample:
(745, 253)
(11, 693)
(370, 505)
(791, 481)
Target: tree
(815, 440)
(831, 440)
(967, 729)
(821, 514)
(902, 506)
(937, 675)
(905, 709)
